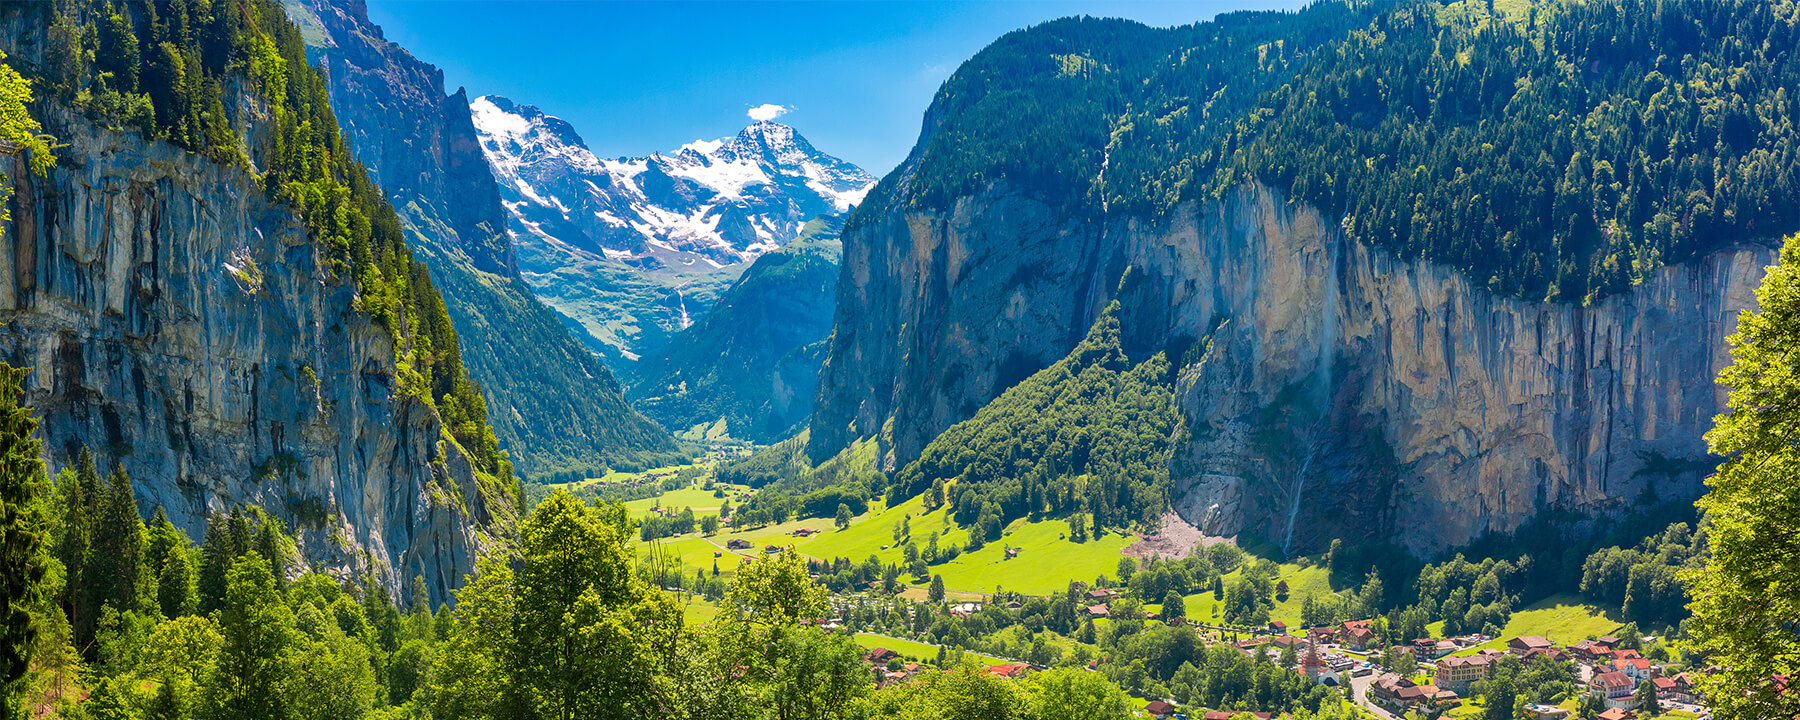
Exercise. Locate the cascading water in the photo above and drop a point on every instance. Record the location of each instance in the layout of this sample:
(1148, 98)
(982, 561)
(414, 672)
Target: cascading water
(1326, 383)
(682, 299)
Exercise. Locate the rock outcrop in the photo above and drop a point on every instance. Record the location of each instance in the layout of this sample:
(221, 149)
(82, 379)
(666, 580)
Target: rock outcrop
(180, 325)
(1331, 389)
(554, 406)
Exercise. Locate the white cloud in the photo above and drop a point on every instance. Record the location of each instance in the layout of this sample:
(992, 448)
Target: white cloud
(767, 111)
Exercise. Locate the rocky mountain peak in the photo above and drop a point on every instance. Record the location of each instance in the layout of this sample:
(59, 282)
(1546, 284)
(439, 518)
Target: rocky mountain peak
(717, 202)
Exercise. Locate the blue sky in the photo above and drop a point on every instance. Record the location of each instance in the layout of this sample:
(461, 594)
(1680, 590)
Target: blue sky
(636, 77)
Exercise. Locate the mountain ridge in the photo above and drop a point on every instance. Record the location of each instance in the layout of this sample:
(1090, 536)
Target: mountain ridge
(634, 250)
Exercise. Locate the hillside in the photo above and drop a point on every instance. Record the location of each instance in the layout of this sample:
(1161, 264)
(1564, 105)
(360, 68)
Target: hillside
(752, 363)
(1447, 271)
(555, 407)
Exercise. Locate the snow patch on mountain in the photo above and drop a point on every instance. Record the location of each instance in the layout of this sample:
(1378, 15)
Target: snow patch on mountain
(720, 202)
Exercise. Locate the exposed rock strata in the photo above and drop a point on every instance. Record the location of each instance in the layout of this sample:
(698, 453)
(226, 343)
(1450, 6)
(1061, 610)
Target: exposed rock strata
(1344, 392)
(180, 325)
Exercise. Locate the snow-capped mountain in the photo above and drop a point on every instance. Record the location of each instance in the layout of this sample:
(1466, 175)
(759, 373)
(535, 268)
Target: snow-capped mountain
(716, 202)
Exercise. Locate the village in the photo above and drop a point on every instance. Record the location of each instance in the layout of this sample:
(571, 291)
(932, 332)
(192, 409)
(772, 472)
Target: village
(1433, 679)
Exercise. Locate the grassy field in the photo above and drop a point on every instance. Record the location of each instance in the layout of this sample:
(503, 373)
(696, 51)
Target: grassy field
(1564, 619)
(1045, 564)
(702, 501)
(917, 651)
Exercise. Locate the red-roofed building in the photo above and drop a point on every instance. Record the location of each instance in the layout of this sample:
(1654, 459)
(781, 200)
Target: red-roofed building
(1615, 688)
(1635, 668)
(1618, 713)
(1160, 710)
(1010, 670)
(1098, 611)
(880, 656)
(1357, 634)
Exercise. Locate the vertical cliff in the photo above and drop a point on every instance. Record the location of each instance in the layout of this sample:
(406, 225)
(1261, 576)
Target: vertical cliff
(1333, 391)
(179, 324)
(554, 406)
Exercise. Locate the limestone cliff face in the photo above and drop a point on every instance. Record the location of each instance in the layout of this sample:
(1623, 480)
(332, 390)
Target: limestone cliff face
(180, 325)
(1333, 391)
(554, 406)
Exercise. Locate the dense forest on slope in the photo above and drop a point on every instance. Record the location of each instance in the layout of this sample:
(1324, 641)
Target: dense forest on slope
(1557, 151)
(1087, 435)
(753, 361)
(230, 80)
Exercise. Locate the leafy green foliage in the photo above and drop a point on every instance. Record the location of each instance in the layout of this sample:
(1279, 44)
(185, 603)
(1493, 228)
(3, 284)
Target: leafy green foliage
(566, 630)
(230, 80)
(1747, 597)
(1086, 434)
(1562, 154)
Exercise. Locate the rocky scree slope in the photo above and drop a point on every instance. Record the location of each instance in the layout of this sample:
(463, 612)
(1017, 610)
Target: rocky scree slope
(633, 250)
(1333, 388)
(554, 406)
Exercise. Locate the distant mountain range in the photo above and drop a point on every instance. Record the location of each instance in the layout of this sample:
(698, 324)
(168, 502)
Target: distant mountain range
(633, 250)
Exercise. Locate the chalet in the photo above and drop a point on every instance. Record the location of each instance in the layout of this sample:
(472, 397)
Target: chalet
(1615, 689)
(1010, 670)
(1618, 714)
(1013, 605)
(1357, 634)
(1386, 689)
(1160, 710)
(1399, 692)
(1100, 594)
(1012, 552)
(1278, 627)
(738, 544)
(1458, 673)
(1685, 688)
(771, 549)
(1551, 654)
(804, 532)
(1098, 611)
(1526, 643)
(1607, 641)
(1665, 688)
(718, 553)
(880, 656)
(1591, 651)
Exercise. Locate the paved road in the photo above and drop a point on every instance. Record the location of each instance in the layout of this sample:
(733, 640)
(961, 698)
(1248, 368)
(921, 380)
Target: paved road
(1360, 688)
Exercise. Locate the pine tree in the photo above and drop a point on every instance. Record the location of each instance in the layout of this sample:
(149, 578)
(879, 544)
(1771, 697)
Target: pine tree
(118, 546)
(78, 499)
(23, 535)
(175, 585)
(215, 566)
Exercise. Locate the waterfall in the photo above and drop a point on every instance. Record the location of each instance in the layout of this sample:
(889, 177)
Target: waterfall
(1326, 384)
